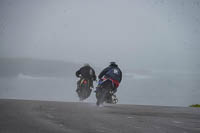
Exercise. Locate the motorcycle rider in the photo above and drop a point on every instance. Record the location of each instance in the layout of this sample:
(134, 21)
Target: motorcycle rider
(86, 72)
(113, 72)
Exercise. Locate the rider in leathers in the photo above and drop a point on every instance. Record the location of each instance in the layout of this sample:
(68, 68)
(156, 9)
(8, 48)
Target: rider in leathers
(113, 72)
(86, 72)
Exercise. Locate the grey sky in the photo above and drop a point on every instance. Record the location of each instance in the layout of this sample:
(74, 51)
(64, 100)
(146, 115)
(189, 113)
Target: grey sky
(137, 33)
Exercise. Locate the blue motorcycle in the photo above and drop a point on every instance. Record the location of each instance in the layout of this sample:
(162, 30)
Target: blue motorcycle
(104, 92)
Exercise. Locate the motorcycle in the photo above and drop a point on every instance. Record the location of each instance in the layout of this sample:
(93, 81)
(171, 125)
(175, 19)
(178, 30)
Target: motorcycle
(104, 92)
(84, 89)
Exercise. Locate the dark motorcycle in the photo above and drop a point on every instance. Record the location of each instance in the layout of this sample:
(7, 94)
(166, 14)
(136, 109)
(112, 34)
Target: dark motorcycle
(84, 90)
(104, 92)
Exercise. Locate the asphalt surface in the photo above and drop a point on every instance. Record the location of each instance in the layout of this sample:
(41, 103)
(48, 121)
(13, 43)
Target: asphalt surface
(23, 116)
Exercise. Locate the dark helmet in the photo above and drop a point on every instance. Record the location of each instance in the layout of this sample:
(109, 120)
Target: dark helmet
(86, 64)
(113, 64)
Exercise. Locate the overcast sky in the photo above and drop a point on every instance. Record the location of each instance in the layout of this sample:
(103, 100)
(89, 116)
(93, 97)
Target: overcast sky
(134, 33)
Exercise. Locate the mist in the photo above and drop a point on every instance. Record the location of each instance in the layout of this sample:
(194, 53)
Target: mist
(154, 42)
